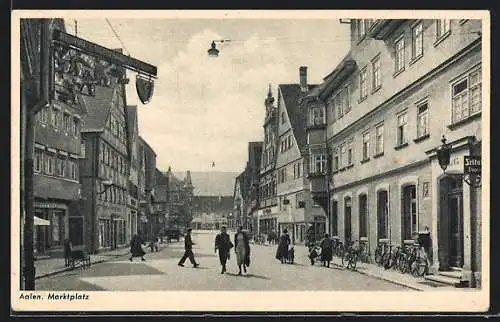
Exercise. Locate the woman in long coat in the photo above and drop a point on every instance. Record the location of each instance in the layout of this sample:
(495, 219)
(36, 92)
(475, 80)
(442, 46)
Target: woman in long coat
(282, 251)
(136, 247)
(242, 250)
(326, 250)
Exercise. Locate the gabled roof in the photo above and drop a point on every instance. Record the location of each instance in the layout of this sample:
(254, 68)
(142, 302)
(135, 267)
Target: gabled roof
(297, 114)
(98, 108)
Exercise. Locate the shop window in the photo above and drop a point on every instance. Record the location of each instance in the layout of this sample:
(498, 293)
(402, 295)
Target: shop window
(57, 225)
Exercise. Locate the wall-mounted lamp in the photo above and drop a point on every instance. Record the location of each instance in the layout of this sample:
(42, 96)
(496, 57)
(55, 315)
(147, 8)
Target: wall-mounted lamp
(443, 154)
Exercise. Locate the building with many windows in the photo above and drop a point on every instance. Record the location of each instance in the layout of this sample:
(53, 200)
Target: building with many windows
(405, 84)
(56, 154)
(105, 138)
(146, 178)
(133, 185)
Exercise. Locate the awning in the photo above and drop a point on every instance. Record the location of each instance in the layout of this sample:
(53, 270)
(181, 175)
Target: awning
(41, 222)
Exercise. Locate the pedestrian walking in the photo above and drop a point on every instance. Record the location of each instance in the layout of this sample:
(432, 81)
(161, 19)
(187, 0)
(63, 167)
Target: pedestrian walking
(242, 249)
(326, 250)
(223, 244)
(188, 250)
(136, 248)
(282, 251)
(67, 252)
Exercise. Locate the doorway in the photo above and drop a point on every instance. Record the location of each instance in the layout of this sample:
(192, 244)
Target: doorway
(451, 240)
(347, 219)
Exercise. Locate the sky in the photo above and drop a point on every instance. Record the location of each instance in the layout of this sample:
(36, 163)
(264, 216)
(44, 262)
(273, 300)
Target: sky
(205, 110)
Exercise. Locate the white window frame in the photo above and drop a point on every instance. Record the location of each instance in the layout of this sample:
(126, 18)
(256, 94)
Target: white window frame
(38, 164)
(422, 114)
(347, 99)
(50, 164)
(376, 79)
(443, 28)
(467, 93)
(417, 40)
(379, 134)
(350, 152)
(399, 54)
(365, 145)
(363, 83)
(319, 163)
(404, 133)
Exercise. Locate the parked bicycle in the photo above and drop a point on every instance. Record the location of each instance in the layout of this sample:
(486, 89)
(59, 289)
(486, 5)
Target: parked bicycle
(339, 249)
(380, 251)
(350, 256)
(412, 262)
(364, 252)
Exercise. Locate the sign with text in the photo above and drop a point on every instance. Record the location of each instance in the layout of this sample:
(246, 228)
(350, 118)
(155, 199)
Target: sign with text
(472, 164)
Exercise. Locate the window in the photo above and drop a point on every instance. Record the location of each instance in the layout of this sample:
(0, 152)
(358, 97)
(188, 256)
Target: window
(361, 29)
(442, 28)
(282, 117)
(82, 148)
(376, 73)
(55, 120)
(417, 41)
(363, 86)
(57, 226)
(466, 96)
(399, 60)
(379, 139)
(349, 152)
(101, 152)
(338, 106)
(50, 165)
(422, 120)
(363, 216)
(343, 162)
(61, 167)
(75, 126)
(72, 169)
(318, 116)
(402, 135)
(366, 146)
(38, 160)
(382, 214)
(299, 169)
(299, 197)
(318, 164)
(335, 160)
(44, 115)
(290, 141)
(66, 122)
(346, 97)
(410, 220)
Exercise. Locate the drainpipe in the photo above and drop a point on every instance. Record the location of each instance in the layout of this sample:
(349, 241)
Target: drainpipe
(29, 259)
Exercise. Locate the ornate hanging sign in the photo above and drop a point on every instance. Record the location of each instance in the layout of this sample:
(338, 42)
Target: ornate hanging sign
(145, 88)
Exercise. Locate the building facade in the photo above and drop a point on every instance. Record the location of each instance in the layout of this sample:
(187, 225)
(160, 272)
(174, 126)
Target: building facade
(57, 149)
(267, 214)
(211, 212)
(405, 84)
(133, 184)
(104, 208)
(146, 185)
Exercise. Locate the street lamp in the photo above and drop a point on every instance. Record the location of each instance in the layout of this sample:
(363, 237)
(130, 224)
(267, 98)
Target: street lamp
(443, 154)
(213, 51)
(472, 164)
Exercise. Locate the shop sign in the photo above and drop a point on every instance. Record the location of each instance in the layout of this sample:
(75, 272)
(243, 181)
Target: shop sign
(51, 205)
(472, 164)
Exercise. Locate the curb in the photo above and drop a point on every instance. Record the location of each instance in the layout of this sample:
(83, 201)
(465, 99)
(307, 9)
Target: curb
(416, 288)
(68, 269)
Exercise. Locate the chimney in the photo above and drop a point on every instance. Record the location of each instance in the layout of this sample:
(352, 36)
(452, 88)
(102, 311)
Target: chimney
(303, 79)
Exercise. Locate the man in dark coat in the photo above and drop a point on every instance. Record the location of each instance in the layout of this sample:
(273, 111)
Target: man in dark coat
(326, 250)
(136, 247)
(224, 245)
(188, 250)
(282, 251)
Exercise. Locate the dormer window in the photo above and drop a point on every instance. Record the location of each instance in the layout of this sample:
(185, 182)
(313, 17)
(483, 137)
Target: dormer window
(317, 116)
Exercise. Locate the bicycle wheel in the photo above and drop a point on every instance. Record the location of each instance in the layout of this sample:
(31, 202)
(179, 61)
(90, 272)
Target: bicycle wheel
(402, 264)
(345, 259)
(419, 268)
(386, 260)
(378, 256)
(352, 261)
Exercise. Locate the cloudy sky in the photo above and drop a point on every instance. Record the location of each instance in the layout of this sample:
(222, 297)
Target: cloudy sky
(207, 109)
